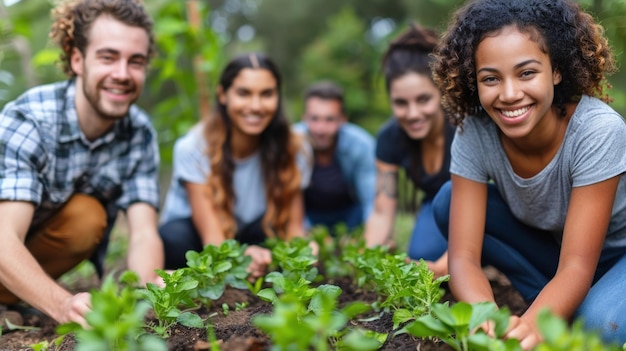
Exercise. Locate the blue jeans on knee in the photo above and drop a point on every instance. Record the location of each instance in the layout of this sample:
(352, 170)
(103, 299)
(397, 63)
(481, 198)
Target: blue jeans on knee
(529, 258)
(427, 242)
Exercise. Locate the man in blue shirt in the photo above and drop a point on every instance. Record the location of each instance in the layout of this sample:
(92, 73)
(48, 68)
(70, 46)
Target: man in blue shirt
(344, 173)
(73, 153)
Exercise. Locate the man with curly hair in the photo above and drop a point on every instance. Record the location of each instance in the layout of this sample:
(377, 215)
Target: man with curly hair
(73, 153)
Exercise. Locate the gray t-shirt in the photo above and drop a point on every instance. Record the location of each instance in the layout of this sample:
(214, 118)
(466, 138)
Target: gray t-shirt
(593, 150)
(191, 164)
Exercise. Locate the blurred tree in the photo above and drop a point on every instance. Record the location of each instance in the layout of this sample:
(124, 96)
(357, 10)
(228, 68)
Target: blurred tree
(183, 73)
(309, 40)
(23, 31)
(351, 61)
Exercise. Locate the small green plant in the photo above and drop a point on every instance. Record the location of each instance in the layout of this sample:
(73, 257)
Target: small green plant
(116, 319)
(297, 270)
(331, 248)
(320, 326)
(45, 345)
(166, 301)
(216, 267)
(294, 258)
(300, 287)
(256, 286)
(459, 326)
(557, 336)
(407, 288)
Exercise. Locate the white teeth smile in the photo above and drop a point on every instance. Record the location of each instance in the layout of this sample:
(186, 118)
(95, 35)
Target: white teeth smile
(515, 113)
(117, 91)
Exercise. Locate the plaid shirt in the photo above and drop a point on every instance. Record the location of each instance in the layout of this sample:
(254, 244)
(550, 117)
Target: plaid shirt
(45, 158)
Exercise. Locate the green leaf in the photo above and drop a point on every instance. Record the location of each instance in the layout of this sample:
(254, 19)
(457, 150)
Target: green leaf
(190, 319)
(551, 326)
(462, 314)
(355, 308)
(170, 26)
(426, 326)
(67, 328)
(268, 295)
(358, 340)
(45, 57)
(12, 326)
(480, 313)
(400, 316)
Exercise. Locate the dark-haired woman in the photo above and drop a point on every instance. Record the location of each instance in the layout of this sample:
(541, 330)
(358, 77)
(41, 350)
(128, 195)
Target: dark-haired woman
(538, 187)
(417, 139)
(240, 173)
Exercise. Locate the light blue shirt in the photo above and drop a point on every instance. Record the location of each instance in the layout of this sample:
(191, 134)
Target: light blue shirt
(191, 164)
(355, 153)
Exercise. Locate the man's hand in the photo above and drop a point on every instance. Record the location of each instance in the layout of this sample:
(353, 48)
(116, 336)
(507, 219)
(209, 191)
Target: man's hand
(75, 309)
(261, 257)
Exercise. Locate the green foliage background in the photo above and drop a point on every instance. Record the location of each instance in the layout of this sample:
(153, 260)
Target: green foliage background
(309, 39)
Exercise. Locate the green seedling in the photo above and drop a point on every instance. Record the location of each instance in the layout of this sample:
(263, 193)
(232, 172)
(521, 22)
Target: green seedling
(557, 336)
(212, 339)
(166, 301)
(116, 319)
(300, 288)
(239, 306)
(319, 326)
(256, 286)
(406, 287)
(45, 345)
(216, 267)
(364, 261)
(294, 258)
(459, 326)
(331, 249)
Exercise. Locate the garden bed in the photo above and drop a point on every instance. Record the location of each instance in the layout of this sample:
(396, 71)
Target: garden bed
(233, 327)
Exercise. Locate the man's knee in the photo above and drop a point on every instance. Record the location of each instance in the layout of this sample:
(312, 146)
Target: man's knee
(79, 225)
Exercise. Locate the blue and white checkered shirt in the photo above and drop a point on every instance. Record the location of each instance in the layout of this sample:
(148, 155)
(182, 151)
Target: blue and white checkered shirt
(45, 157)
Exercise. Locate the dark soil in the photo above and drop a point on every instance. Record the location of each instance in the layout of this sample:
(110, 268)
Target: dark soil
(236, 333)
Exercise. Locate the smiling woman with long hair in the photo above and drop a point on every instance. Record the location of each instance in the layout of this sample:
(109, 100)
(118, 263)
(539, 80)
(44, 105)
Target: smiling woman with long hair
(417, 139)
(238, 174)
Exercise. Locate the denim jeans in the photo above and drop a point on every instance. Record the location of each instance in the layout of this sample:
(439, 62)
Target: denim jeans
(529, 258)
(427, 241)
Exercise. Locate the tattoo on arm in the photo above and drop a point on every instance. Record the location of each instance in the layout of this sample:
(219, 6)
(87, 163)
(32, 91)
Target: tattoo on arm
(387, 183)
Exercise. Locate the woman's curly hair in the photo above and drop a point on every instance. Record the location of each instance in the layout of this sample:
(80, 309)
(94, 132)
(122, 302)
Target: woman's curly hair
(278, 149)
(73, 20)
(575, 43)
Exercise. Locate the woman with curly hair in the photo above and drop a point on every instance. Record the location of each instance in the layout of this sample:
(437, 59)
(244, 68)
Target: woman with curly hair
(240, 173)
(538, 187)
(418, 140)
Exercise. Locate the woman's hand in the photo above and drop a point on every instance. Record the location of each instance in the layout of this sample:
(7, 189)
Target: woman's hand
(440, 266)
(522, 329)
(261, 257)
